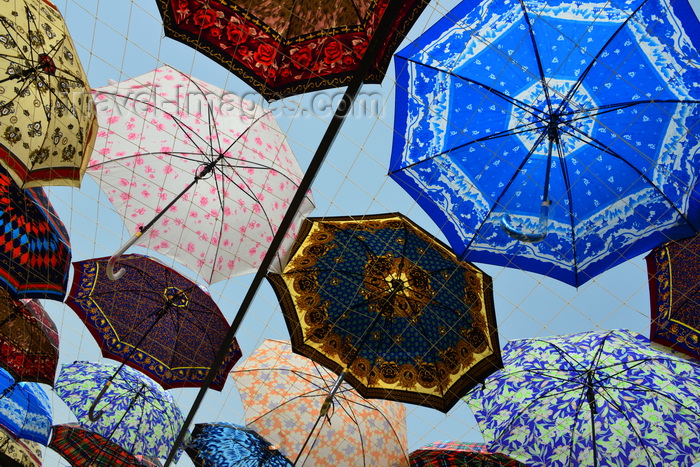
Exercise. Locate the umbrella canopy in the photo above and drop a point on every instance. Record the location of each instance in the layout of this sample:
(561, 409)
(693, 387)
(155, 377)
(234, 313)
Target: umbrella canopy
(226, 444)
(16, 452)
(153, 319)
(36, 252)
(382, 300)
(282, 394)
(282, 48)
(205, 176)
(25, 409)
(673, 269)
(454, 453)
(603, 398)
(47, 118)
(539, 136)
(84, 448)
(132, 411)
(28, 340)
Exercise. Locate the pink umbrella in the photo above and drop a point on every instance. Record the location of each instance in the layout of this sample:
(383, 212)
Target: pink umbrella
(198, 174)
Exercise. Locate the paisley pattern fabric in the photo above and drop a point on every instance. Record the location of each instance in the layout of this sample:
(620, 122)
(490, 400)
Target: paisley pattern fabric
(229, 445)
(28, 340)
(165, 134)
(47, 117)
(282, 395)
(427, 319)
(282, 47)
(560, 401)
(136, 413)
(674, 269)
(473, 127)
(36, 252)
(84, 448)
(17, 452)
(153, 319)
(456, 454)
(25, 409)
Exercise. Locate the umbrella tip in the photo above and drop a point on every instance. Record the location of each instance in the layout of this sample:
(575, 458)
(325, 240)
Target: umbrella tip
(111, 82)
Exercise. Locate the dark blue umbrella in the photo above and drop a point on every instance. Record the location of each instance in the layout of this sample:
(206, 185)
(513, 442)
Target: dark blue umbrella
(225, 444)
(553, 137)
(25, 409)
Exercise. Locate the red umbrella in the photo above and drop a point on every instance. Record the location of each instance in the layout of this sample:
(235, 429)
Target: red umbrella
(459, 454)
(28, 340)
(673, 270)
(282, 48)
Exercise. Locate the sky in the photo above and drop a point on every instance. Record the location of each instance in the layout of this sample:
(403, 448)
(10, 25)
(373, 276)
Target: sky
(117, 40)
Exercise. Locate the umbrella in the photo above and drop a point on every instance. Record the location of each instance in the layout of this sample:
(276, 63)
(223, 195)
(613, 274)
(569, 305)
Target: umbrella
(47, 118)
(16, 452)
(673, 269)
(541, 136)
(25, 409)
(28, 340)
(84, 448)
(385, 304)
(458, 454)
(153, 319)
(600, 398)
(226, 444)
(286, 48)
(198, 174)
(135, 412)
(35, 253)
(282, 394)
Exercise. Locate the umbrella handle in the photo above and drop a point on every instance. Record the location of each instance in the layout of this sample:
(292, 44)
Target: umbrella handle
(91, 412)
(113, 259)
(536, 236)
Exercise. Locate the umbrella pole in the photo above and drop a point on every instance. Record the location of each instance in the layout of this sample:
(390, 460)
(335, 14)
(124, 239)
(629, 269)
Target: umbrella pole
(368, 60)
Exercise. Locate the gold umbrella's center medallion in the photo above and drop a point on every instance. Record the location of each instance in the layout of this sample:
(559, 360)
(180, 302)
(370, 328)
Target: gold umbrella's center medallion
(396, 288)
(176, 297)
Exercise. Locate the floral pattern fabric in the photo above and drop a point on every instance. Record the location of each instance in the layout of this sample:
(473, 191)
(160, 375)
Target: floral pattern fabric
(19, 452)
(25, 409)
(165, 134)
(282, 394)
(283, 48)
(560, 401)
(136, 412)
(47, 116)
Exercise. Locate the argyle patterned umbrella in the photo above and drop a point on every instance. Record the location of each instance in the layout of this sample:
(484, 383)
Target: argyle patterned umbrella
(228, 445)
(380, 300)
(35, 254)
(598, 398)
(84, 448)
(153, 319)
(457, 454)
(25, 409)
(28, 340)
(132, 411)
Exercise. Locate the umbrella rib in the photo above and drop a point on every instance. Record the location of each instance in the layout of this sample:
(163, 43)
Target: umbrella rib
(602, 147)
(536, 52)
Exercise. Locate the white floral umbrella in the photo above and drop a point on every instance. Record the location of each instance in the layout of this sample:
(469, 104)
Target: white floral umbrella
(198, 174)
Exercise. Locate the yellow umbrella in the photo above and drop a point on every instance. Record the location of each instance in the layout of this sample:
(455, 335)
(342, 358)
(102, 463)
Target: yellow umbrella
(47, 116)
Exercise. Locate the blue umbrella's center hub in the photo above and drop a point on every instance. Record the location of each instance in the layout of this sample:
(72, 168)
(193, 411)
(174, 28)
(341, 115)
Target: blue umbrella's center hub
(395, 287)
(563, 116)
(176, 297)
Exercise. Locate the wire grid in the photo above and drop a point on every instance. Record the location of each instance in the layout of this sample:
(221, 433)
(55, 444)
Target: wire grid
(124, 39)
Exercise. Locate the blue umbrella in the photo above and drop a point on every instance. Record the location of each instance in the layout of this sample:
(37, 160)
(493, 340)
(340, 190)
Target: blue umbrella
(129, 409)
(226, 444)
(552, 137)
(603, 398)
(25, 409)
